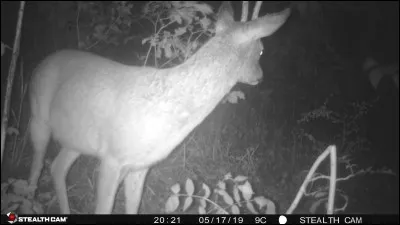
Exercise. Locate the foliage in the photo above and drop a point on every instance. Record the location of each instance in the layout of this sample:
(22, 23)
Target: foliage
(180, 42)
(15, 198)
(178, 26)
(103, 22)
(241, 195)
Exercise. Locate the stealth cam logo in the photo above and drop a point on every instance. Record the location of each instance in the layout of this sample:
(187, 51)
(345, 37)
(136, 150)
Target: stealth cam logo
(12, 217)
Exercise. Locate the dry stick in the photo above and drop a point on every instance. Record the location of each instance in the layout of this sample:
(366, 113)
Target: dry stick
(17, 154)
(329, 150)
(332, 188)
(10, 78)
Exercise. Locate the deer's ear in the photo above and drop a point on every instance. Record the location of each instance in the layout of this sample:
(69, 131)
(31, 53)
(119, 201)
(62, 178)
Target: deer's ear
(225, 17)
